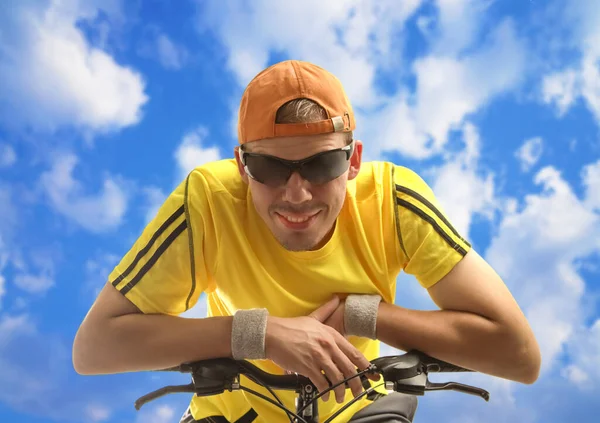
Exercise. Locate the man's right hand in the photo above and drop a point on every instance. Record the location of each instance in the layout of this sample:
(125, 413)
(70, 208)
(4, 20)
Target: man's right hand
(307, 346)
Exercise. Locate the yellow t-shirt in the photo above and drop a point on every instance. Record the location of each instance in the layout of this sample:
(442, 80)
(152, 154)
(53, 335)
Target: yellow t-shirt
(207, 237)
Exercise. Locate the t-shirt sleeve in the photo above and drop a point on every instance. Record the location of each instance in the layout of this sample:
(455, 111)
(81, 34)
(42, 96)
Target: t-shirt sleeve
(164, 272)
(430, 246)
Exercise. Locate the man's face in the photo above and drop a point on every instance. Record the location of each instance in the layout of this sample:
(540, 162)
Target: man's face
(301, 215)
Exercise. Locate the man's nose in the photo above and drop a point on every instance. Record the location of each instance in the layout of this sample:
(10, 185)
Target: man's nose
(297, 189)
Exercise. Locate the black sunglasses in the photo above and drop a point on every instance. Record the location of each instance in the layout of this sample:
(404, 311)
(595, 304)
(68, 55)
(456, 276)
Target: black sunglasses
(317, 169)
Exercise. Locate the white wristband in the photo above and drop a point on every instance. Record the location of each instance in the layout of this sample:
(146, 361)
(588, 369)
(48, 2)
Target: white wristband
(360, 315)
(248, 334)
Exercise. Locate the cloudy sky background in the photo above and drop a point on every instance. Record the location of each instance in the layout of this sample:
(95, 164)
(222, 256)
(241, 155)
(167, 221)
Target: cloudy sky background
(105, 105)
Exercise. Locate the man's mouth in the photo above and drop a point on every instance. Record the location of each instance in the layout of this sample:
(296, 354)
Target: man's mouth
(296, 219)
(297, 222)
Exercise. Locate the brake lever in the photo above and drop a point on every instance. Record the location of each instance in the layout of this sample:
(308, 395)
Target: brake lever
(460, 387)
(419, 384)
(162, 392)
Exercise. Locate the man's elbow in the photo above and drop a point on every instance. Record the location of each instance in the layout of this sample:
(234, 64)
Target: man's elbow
(532, 370)
(528, 362)
(80, 364)
(83, 355)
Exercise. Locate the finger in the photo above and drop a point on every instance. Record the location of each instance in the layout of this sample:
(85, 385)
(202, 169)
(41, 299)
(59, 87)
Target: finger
(353, 354)
(319, 380)
(323, 312)
(375, 377)
(335, 376)
(348, 370)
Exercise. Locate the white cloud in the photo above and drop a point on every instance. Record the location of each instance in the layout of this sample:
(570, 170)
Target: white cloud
(17, 386)
(459, 22)
(448, 91)
(460, 187)
(159, 46)
(155, 198)
(97, 270)
(33, 267)
(36, 369)
(11, 325)
(95, 212)
(2, 287)
(8, 222)
(191, 153)
(53, 77)
(529, 153)
(98, 413)
(171, 56)
(591, 180)
(563, 87)
(38, 380)
(8, 157)
(8, 213)
(347, 38)
(585, 353)
(35, 275)
(158, 414)
(545, 238)
(576, 375)
(34, 284)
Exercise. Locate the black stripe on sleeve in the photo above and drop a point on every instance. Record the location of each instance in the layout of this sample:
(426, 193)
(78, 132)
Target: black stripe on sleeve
(434, 209)
(147, 248)
(397, 221)
(160, 250)
(433, 223)
(191, 240)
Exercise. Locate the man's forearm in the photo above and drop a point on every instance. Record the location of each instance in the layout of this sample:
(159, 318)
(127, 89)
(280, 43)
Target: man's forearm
(138, 342)
(464, 339)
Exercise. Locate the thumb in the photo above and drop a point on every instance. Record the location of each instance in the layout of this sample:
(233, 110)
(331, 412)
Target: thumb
(323, 312)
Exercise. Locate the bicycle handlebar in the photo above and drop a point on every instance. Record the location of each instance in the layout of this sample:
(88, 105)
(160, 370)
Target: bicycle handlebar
(405, 373)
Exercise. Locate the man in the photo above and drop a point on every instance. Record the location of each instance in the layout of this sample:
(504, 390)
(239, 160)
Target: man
(297, 246)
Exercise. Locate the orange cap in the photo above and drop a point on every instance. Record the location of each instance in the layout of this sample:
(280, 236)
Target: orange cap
(286, 81)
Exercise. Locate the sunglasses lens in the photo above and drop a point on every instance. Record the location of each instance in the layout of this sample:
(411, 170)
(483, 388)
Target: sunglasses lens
(267, 171)
(326, 167)
(319, 170)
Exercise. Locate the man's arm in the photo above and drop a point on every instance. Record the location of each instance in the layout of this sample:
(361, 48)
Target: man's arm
(133, 325)
(480, 326)
(116, 337)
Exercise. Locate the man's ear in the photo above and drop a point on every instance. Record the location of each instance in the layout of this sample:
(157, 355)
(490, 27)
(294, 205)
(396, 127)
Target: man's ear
(355, 160)
(236, 152)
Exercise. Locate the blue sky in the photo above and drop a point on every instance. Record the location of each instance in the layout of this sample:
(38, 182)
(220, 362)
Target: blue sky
(105, 105)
